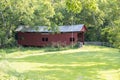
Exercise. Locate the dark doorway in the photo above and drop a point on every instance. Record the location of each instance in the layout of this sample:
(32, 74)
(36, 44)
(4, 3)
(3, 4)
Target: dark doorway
(81, 37)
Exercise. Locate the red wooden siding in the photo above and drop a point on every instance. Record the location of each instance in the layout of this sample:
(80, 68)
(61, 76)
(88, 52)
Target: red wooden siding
(42, 39)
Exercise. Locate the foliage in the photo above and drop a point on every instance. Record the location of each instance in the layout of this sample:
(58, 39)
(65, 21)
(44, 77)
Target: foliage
(22, 12)
(74, 6)
(98, 15)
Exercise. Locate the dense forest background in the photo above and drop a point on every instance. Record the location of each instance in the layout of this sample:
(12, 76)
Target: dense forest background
(102, 17)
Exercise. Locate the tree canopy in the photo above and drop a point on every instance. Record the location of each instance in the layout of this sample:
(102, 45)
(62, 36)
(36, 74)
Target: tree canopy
(101, 17)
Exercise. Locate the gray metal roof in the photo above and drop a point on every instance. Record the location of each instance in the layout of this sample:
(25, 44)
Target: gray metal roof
(70, 28)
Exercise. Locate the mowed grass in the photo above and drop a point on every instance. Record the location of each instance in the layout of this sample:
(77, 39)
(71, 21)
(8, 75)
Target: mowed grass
(86, 63)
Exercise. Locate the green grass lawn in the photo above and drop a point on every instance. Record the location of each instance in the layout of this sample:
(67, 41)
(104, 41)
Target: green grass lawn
(86, 63)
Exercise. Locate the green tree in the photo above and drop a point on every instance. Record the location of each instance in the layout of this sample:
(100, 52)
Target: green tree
(25, 12)
(111, 22)
(101, 17)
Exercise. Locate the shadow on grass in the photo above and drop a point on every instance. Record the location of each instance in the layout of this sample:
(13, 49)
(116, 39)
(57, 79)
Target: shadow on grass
(24, 49)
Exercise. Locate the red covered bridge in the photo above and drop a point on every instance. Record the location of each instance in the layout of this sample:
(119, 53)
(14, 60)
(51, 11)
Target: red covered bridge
(41, 36)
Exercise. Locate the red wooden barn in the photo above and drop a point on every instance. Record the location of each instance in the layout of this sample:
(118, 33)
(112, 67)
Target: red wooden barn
(41, 36)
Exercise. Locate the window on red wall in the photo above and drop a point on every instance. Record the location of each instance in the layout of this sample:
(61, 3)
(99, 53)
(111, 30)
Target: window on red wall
(44, 39)
(72, 39)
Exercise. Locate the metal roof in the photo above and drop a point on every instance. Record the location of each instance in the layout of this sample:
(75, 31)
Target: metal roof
(69, 28)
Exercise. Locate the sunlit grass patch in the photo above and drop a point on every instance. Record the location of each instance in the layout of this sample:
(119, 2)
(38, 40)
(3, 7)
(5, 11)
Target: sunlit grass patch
(86, 63)
(110, 74)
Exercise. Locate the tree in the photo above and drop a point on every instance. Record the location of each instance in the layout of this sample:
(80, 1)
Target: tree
(101, 17)
(25, 12)
(111, 22)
